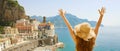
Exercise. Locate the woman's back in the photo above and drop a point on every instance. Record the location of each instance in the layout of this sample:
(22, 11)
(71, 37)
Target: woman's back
(83, 45)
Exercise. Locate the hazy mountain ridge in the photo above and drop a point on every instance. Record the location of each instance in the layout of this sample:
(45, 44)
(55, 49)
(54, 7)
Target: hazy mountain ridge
(58, 21)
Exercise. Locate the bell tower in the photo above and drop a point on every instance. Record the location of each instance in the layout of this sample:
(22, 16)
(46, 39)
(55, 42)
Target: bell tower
(44, 19)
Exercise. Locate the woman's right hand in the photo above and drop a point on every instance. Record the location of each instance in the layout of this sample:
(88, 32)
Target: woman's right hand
(62, 13)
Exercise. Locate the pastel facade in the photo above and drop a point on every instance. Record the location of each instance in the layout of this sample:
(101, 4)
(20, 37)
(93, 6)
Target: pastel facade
(35, 24)
(30, 36)
(47, 33)
(4, 43)
(24, 26)
(10, 30)
(46, 29)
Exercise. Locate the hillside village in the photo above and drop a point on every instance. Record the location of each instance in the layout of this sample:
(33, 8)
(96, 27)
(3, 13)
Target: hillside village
(42, 33)
(18, 32)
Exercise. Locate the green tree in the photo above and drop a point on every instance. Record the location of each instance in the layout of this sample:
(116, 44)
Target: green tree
(1, 29)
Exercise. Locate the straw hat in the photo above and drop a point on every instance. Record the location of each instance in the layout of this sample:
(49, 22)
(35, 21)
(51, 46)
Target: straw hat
(84, 31)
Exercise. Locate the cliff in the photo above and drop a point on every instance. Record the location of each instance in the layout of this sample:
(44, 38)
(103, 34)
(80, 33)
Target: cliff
(10, 11)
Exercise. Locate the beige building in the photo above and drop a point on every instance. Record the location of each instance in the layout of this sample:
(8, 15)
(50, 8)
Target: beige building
(16, 39)
(24, 26)
(4, 43)
(10, 30)
(35, 24)
(28, 29)
(51, 31)
(29, 36)
(47, 33)
(46, 29)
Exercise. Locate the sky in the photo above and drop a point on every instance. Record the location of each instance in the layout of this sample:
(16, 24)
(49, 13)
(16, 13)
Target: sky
(85, 9)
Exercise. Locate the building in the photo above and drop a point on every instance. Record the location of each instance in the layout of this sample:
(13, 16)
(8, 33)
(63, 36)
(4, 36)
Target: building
(28, 29)
(50, 31)
(24, 26)
(16, 39)
(4, 43)
(10, 30)
(47, 33)
(29, 36)
(35, 24)
(46, 29)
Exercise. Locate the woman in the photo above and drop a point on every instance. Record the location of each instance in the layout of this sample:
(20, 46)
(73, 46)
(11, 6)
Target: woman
(83, 35)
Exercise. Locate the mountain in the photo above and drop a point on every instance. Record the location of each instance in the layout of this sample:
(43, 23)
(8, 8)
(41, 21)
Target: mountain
(10, 11)
(58, 21)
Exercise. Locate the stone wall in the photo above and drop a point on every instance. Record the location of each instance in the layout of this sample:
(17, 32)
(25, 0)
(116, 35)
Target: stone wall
(26, 46)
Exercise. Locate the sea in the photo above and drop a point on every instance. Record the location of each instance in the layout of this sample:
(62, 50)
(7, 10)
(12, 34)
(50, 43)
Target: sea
(108, 39)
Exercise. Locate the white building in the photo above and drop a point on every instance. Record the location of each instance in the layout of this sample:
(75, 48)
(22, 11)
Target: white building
(24, 21)
(35, 24)
(4, 43)
(29, 36)
(46, 29)
(50, 32)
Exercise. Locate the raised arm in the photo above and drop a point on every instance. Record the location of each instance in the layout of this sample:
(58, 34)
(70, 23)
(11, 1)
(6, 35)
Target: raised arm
(101, 12)
(62, 14)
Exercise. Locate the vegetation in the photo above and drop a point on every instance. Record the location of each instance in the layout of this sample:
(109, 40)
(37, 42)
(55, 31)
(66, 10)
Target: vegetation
(12, 3)
(6, 23)
(1, 37)
(1, 29)
(21, 8)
